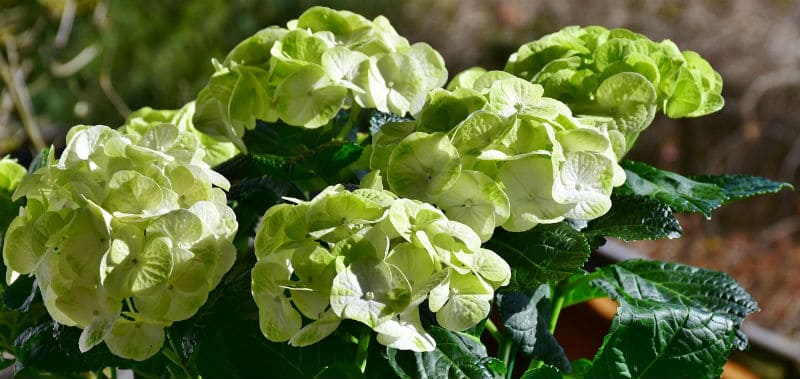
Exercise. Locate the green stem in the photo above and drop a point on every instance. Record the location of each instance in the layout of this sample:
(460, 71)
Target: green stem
(492, 329)
(557, 304)
(508, 355)
(175, 359)
(363, 349)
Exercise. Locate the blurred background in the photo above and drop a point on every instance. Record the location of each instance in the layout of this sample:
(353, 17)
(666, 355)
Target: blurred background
(67, 62)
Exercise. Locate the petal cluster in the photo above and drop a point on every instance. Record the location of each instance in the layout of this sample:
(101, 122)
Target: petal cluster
(321, 62)
(619, 78)
(144, 119)
(369, 256)
(492, 151)
(125, 233)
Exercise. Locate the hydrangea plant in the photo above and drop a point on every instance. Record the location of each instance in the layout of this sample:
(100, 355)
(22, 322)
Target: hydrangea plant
(364, 201)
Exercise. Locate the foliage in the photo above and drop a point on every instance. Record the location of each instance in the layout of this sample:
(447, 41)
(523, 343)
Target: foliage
(363, 199)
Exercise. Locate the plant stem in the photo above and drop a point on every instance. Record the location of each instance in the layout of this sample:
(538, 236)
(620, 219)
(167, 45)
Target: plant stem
(492, 329)
(557, 304)
(363, 349)
(175, 359)
(508, 355)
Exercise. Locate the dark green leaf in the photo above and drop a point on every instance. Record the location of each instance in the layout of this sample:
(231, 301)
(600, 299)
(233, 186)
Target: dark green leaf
(249, 199)
(578, 288)
(21, 294)
(52, 347)
(673, 283)
(375, 119)
(544, 254)
(544, 372)
(457, 355)
(329, 161)
(634, 218)
(737, 187)
(237, 349)
(655, 340)
(526, 317)
(580, 368)
(678, 192)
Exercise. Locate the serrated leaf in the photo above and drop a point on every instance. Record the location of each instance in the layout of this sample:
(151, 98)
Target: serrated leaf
(331, 160)
(544, 372)
(526, 316)
(234, 348)
(678, 192)
(457, 355)
(53, 347)
(634, 218)
(375, 119)
(649, 339)
(676, 284)
(737, 187)
(545, 254)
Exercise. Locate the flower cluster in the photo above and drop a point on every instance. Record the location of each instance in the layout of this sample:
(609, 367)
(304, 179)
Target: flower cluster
(369, 256)
(492, 151)
(620, 75)
(304, 73)
(144, 119)
(125, 234)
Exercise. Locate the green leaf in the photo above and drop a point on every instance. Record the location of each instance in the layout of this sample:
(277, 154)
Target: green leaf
(634, 218)
(377, 119)
(676, 284)
(53, 347)
(737, 187)
(234, 348)
(526, 316)
(457, 355)
(545, 254)
(678, 192)
(649, 339)
(544, 372)
(330, 161)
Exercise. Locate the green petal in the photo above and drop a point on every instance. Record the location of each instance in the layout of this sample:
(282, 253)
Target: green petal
(476, 132)
(443, 110)
(423, 165)
(135, 340)
(152, 267)
(466, 78)
(369, 291)
(468, 304)
(316, 331)
(510, 96)
(307, 98)
(477, 201)
(529, 185)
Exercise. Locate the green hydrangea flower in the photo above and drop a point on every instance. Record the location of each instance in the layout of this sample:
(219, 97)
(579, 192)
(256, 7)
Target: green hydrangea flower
(126, 234)
(321, 62)
(493, 151)
(140, 121)
(618, 78)
(369, 256)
